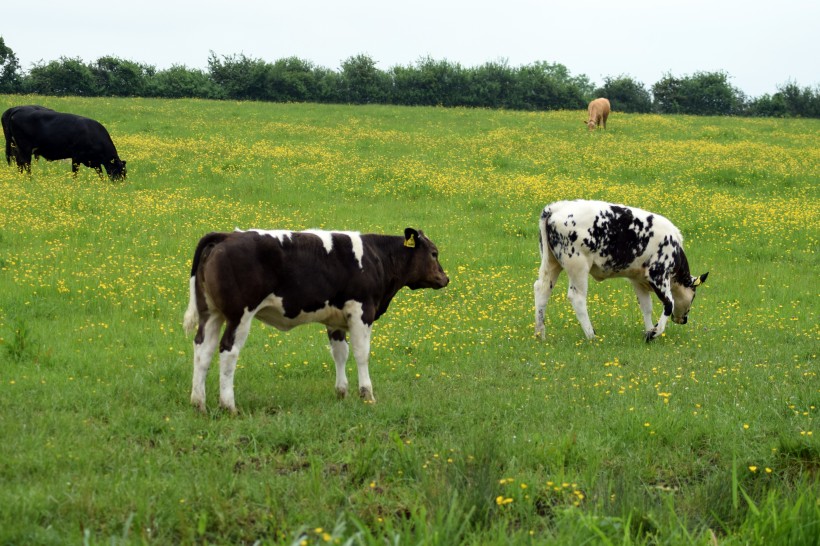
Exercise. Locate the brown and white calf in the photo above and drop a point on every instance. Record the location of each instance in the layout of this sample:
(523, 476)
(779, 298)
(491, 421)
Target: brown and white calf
(598, 110)
(343, 280)
(607, 240)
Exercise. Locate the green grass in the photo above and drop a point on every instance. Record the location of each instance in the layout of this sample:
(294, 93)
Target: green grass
(481, 434)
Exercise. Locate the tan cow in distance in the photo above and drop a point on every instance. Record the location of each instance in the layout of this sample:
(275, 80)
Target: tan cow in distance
(598, 112)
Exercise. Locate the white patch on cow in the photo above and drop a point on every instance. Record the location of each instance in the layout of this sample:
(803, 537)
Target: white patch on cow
(327, 241)
(278, 234)
(272, 311)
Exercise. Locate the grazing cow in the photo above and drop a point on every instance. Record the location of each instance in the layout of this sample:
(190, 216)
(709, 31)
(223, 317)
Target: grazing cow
(343, 280)
(598, 112)
(54, 135)
(607, 240)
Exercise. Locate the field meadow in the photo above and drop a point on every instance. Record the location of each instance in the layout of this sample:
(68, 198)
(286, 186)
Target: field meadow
(481, 434)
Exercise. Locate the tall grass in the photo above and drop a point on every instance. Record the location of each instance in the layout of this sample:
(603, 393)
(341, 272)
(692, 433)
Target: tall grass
(482, 434)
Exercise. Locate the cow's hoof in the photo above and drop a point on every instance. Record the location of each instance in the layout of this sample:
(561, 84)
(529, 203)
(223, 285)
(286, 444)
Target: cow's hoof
(229, 408)
(341, 394)
(367, 395)
(199, 405)
(650, 335)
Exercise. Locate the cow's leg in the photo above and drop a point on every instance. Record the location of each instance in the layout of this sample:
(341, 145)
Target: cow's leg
(547, 276)
(23, 158)
(205, 342)
(340, 351)
(236, 333)
(645, 303)
(663, 290)
(360, 341)
(577, 295)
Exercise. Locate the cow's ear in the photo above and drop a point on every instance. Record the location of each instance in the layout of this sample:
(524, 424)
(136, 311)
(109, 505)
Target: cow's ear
(697, 281)
(410, 237)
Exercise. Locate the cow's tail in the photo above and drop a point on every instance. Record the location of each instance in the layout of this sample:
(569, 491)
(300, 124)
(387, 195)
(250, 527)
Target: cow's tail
(542, 230)
(6, 124)
(191, 320)
(542, 291)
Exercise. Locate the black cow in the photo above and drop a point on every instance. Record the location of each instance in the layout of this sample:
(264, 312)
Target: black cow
(39, 131)
(343, 280)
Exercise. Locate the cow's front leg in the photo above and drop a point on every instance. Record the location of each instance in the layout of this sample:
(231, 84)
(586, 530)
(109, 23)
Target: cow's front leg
(340, 351)
(360, 340)
(229, 348)
(664, 292)
(645, 303)
(205, 343)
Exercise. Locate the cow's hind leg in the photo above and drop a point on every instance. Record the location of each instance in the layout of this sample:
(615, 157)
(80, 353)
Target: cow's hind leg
(577, 295)
(236, 333)
(340, 351)
(23, 159)
(360, 340)
(547, 276)
(205, 342)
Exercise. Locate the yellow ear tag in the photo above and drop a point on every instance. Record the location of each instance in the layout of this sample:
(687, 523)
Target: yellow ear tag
(411, 242)
(697, 282)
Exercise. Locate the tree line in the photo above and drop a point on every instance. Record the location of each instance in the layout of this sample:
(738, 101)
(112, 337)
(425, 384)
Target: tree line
(427, 82)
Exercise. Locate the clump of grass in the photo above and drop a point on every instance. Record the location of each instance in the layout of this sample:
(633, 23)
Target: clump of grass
(20, 344)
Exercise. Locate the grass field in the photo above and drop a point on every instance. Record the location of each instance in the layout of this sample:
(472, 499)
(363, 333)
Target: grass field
(481, 434)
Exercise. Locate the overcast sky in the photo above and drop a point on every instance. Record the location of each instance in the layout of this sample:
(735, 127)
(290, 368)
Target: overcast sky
(759, 44)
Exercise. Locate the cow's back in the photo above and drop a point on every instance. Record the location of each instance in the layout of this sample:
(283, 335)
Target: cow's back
(53, 133)
(611, 237)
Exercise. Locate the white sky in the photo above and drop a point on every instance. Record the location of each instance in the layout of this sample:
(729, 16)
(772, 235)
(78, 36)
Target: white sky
(759, 44)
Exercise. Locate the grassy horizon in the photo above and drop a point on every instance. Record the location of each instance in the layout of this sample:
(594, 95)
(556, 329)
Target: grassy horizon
(481, 433)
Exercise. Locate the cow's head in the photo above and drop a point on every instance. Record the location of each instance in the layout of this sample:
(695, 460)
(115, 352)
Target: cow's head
(590, 124)
(116, 169)
(425, 269)
(684, 294)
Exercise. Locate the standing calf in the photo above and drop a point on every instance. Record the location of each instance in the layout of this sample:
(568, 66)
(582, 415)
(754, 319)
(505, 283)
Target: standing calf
(343, 280)
(606, 240)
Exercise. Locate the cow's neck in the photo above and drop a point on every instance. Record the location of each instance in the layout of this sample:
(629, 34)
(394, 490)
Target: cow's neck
(396, 261)
(682, 276)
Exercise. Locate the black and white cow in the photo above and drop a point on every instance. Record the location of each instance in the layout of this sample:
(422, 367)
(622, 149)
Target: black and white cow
(343, 280)
(39, 131)
(608, 240)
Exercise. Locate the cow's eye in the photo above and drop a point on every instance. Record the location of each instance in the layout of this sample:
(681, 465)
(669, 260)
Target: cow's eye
(435, 255)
